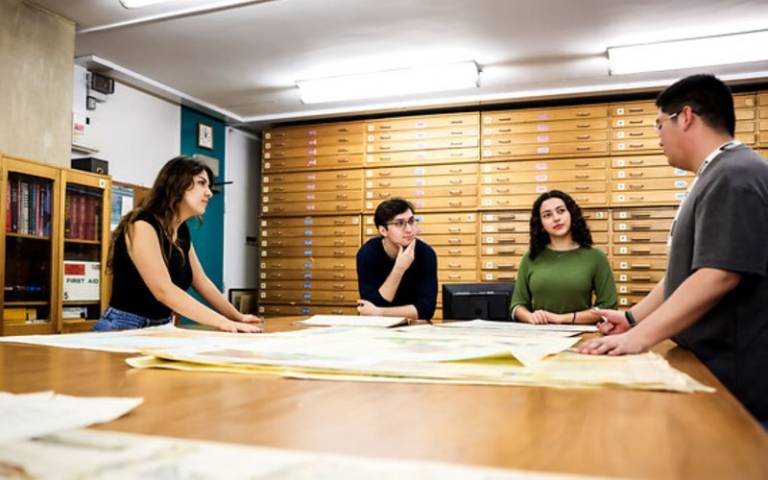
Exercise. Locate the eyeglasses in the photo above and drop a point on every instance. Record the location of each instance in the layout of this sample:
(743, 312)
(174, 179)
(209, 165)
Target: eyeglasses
(660, 122)
(401, 223)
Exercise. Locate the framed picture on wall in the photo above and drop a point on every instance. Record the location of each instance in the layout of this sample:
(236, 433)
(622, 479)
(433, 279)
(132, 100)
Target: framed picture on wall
(205, 136)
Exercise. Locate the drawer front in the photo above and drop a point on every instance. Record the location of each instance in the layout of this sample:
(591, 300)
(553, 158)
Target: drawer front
(433, 203)
(641, 185)
(431, 170)
(632, 174)
(313, 285)
(422, 122)
(538, 188)
(454, 251)
(310, 242)
(313, 151)
(543, 115)
(634, 288)
(639, 161)
(423, 157)
(544, 138)
(273, 145)
(498, 276)
(504, 217)
(505, 239)
(510, 227)
(311, 208)
(543, 165)
(312, 222)
(309, 297)
(641, 237)
(290, 310)
(413, 193)
(650, 276)
(331, 186)
(553, 149)
(648, 198)
(296, 275)
(313, 163)
(502, 251)
(278, 179)
(461, 263)
(434, 144)
(636, 250)
(540, 177)
(631, 134)
(509, 264)
(426, 181)
(334, 264)
(313, 131)
(635, 145)
(644, 213)
(339, 196)
(456, 277)
(299, 233)
(460, 220)
(310, 252)
(526, 201)
(449, 240)
(634, 121)
(626, 301)
(544, 127)
(645, 107)
(422, 134)
(662, 225)
(639, 263)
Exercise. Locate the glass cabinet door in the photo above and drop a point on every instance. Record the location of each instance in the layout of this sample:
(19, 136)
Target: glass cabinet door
(86, 244)
(28, 248)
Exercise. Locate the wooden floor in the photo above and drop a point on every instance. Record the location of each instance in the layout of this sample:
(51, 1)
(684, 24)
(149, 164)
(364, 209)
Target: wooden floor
(599, 432)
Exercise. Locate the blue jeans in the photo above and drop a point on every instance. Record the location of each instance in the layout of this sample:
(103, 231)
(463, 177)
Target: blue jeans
(114, 319)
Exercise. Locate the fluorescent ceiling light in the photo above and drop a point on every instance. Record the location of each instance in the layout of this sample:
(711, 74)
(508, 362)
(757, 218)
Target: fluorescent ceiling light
(142, 3)
(695, 52)
(454, 76)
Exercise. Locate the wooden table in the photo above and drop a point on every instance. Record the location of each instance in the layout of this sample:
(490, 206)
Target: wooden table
(599, 432)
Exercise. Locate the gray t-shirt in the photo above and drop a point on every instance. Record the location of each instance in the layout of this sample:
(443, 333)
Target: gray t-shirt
(723, 224)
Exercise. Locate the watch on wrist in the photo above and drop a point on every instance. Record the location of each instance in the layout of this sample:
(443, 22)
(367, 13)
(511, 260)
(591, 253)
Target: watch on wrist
(630, 318)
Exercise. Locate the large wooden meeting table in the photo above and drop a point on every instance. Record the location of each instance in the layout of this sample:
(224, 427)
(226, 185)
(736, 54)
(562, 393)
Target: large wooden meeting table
(611, 432)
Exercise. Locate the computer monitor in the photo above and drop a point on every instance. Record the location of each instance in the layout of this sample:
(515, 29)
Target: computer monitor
(468, 301)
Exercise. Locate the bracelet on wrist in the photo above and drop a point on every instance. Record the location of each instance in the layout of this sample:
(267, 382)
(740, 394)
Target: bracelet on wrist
(630, 318)
(573, 319)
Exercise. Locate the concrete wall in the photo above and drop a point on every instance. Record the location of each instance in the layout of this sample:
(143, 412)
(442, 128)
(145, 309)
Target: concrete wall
(36, 57)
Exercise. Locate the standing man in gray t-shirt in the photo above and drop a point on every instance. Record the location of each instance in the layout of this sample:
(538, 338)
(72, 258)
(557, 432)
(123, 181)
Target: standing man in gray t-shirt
(714, 297)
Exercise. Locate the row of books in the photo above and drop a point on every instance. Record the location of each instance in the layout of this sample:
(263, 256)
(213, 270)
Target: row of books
(25, 293)
(82, 217)
(28, 207)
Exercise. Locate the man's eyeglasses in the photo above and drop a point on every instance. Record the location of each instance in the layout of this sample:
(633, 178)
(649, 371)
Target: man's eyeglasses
(660, 122)
(401, 223)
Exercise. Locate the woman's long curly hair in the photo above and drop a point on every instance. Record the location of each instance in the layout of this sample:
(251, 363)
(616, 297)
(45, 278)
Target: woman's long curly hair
(162, 201)
(540, 238)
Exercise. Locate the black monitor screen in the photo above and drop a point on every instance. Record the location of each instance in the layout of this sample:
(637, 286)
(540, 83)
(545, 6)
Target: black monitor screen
(468, 301)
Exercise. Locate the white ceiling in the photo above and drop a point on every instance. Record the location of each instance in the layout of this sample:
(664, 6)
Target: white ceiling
(243, 60)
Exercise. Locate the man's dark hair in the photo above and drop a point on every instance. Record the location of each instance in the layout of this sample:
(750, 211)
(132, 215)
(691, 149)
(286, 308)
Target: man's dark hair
(709, 98)
(389, 209)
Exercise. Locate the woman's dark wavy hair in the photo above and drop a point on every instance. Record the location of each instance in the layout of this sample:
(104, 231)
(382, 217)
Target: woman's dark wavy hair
(162, 201)
(540, 238)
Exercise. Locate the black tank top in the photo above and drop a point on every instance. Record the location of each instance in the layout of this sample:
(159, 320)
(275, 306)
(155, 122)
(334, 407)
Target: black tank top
(129, 292)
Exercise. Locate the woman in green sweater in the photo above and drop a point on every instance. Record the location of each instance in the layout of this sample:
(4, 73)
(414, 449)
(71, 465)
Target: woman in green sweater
(561, 272)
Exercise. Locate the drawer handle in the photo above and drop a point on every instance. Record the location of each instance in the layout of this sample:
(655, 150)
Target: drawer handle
(505, 142)
(457, 154)
(636, 162)
(341, 196)
(385, 174)
(457, 122)
(641, 251)
(507, 266)
(583, 149)
(457, 132)
(456, 144)
(458, 181)
(341, 207)
(505, 130)
(636, 174)
(636, 145)
(455, 204)
(343, 150)
(339, 232)
(456, 191)
(505, 119)
(644, 266)
(340, 242)
(454, 251)
(582, 165)
(642, 278)
(583, 137)
(635, 122)
(502, 168)
(342, 160)
(454, 229)
(502, 190)
(636, 186)
(507, 240)
(454, 265)
(338, 266)
(582, 176)
(636, 228)
(342, 176)
(507, 229)
(385, 184)
(502, 202)
(338, 297)
(339, 222)
(583, 114)
(454, 277)
(454, 241)
(385, 137)
(384, 195)
(339, 276)
(338, 286)
(385, 127)
(582, 187)
(342, 130)
(635, 134)
(384, 159)
(635, 109)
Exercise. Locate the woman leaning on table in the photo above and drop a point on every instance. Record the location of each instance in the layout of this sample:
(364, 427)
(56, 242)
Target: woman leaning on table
(561, 272)
(153, 261)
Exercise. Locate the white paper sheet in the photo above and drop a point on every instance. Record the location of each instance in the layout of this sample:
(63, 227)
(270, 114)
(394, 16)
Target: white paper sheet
(353, 321)
(35, 414)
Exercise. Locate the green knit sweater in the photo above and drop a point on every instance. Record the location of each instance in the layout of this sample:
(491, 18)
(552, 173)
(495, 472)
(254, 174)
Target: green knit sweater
(564, 282)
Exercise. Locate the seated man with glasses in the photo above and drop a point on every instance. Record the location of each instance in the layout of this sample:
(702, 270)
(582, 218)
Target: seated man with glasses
(397, 272)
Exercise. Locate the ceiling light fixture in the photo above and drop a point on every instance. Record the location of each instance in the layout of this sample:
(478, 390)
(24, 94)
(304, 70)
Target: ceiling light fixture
(689, 53)
(142, 3)
(454, 76)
